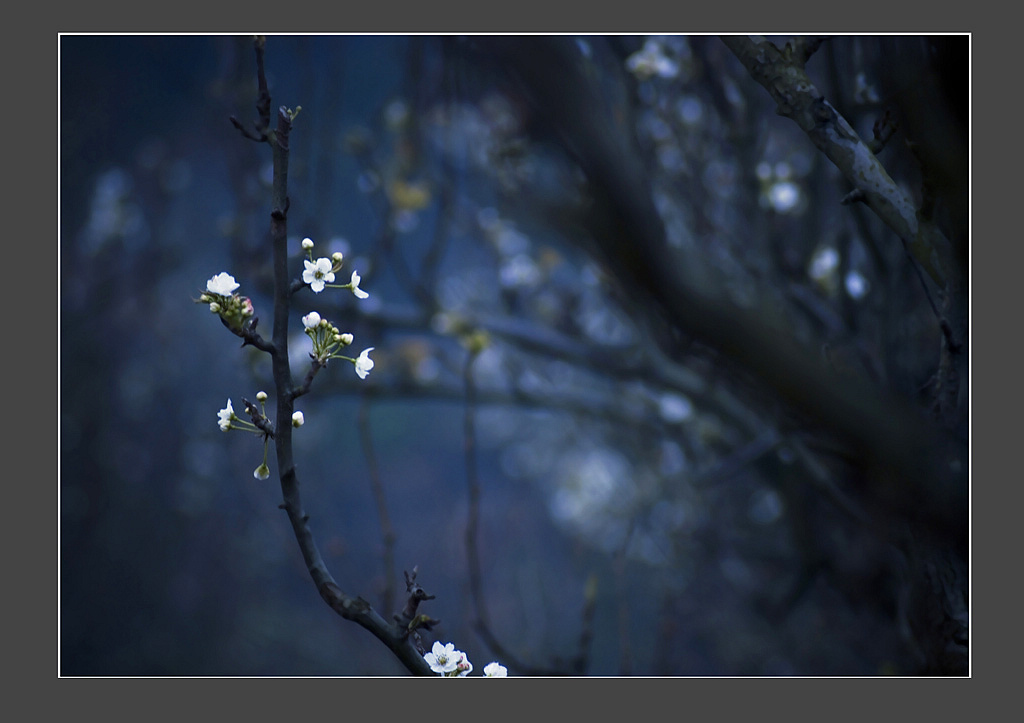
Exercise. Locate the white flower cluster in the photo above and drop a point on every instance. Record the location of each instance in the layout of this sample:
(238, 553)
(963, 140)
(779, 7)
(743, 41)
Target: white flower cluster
(448, 662)
(327, 340)
(220, 294)
(236, 311)
(319, 273)
(227, 420)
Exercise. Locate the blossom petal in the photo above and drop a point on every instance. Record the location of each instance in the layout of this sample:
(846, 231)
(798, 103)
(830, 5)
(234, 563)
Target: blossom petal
(495, 670)
(354, 283)
(364, 364)
(223, 284)
(224, 417)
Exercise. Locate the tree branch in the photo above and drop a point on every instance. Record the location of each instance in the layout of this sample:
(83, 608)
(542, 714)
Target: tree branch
(395, 636)
(262, 124)
(782, 74)
(907, 467)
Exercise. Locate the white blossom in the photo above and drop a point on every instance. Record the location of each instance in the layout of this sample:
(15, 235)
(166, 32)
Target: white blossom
(318, 273)
(495, 670)
(226, 415)
(311, 320)
(360, 294)
(364, 363)
(442, 659)
(298, 420)
(223, 284)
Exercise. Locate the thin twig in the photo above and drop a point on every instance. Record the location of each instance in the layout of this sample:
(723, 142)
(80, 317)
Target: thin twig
(481, 622)
(947, 330)
(262, 125)
(314, 367)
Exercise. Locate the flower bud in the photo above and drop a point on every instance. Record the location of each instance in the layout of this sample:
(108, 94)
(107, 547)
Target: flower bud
(311, 320)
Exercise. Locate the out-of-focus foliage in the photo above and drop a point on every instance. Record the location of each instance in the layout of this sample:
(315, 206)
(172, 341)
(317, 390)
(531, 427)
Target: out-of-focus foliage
(725, 535)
